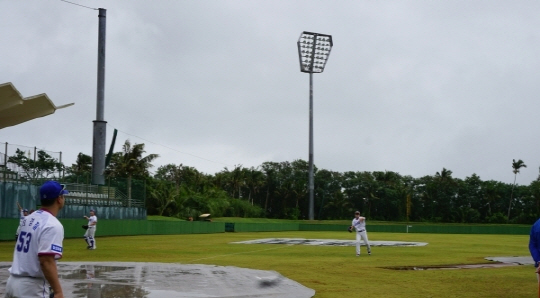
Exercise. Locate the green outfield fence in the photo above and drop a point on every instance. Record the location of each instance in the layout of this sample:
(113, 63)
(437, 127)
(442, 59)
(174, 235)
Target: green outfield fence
(434, 229)
(113, 227)
(73, 227)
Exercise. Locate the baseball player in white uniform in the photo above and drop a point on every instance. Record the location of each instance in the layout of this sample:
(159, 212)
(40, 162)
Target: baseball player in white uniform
(359, 224)
(34, 272)
(23, 213)
(91, 231)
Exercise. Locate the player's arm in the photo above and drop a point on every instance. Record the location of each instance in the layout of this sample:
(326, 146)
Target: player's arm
(48, 266)
(19, 206)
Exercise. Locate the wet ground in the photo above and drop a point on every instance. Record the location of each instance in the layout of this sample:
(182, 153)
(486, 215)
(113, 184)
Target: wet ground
(158, 280)
(497, 263)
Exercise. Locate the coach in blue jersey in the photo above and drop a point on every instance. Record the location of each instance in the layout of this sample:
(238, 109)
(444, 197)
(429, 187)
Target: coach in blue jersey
(38, 248)
(534, 245)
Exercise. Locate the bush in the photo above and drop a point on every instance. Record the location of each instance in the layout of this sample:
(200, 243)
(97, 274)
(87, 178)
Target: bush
(241, 208)
(292, 213)
(524, 218)
(472, 216)
(496, 218)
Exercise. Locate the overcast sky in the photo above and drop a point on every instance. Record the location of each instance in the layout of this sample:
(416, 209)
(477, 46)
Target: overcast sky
(410, 86)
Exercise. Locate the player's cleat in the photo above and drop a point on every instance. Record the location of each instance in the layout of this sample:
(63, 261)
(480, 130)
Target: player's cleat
(369, 253)
(357, 255)
(89, 247)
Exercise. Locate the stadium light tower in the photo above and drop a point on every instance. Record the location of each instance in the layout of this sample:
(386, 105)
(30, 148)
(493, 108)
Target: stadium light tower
(313, 52)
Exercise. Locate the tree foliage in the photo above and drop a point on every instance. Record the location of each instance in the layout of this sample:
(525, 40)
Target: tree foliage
(130, 163)
(516, 166)
(280, 190)
(44, 166)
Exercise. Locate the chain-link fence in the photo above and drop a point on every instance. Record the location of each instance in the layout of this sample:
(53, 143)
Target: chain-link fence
(32, 165)
(29, 163)
(13, 192)
(110, 200)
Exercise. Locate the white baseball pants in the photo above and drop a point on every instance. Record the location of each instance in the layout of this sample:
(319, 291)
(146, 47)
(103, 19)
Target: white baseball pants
(89, 236)
(363, 236)
(18, 286)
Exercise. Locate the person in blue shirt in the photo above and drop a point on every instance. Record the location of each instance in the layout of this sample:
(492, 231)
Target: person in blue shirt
(534, 245)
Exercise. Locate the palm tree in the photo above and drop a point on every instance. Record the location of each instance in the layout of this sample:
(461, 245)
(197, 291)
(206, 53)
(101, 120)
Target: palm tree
(130, 163)
(82, 166)
(165, 194)
(254, 181)
(237, 180)
(338, 207)
(270, 170)
(516, 165)
(234, 180)
(535, 193)
(492, 190)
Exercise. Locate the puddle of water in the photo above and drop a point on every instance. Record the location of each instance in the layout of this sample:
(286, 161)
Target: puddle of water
(153, 280)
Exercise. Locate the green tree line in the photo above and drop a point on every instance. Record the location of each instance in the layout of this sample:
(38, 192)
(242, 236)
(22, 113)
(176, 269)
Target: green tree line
(280, 190)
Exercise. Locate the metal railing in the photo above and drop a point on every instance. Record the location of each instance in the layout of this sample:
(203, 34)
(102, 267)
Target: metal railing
(87, 194)
(96, 195)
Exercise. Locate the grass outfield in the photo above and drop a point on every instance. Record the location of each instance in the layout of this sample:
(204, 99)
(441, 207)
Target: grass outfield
(335, 272)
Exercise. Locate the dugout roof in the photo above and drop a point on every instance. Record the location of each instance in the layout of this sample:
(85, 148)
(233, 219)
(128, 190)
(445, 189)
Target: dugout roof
(14, 109)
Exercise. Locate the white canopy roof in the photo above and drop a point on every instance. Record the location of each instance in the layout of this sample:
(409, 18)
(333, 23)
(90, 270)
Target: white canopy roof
(14, 109)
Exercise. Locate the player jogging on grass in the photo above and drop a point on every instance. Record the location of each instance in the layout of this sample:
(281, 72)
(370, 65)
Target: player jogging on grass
(359, 224)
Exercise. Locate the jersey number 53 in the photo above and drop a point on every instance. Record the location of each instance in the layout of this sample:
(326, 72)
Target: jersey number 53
(24, 242)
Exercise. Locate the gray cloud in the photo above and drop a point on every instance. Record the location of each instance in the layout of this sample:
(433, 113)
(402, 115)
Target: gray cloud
(410, 86)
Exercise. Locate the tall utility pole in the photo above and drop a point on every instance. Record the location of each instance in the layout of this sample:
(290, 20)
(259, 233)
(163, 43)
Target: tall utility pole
(313, 51)
(100, 125)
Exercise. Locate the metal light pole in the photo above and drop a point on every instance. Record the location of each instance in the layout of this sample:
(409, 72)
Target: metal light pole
(100, 125)
(313, 52)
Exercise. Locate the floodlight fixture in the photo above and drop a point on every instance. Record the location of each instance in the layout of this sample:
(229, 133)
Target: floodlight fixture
(313, 52)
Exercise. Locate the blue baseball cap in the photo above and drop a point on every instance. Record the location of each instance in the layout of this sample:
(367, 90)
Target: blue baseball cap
(25, 210)
(52, 190)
